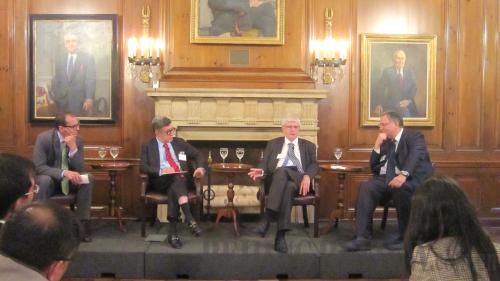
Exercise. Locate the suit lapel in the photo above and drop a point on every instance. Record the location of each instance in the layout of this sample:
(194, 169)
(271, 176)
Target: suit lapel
(156, 153)
(302, 148)
(276, 150)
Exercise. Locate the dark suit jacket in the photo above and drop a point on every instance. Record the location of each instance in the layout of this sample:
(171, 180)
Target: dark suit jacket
(47, 155)
(307, 157)
(69, 93)
(390, 92)
(411, 156)
(150, 157)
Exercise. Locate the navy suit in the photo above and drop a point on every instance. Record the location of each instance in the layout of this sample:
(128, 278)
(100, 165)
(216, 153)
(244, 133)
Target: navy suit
(391, 90)
(283, 183)
(70, 92)
(175, 185)
(411, 156)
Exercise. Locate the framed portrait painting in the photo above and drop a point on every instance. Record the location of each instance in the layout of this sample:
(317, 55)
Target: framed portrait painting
(256, 22)
(398, 73)
(73, 67)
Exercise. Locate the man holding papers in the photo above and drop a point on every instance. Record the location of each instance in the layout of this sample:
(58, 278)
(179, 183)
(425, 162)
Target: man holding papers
(58, 157)
(164, 159)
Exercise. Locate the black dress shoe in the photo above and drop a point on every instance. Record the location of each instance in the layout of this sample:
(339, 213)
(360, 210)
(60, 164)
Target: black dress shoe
(280, 244)
(262, 228)
(358, 244)
(86, 235)
(194, 228)
(174, 241)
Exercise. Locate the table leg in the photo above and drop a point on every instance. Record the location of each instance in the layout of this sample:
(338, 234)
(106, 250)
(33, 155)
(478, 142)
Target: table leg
(338, 213)
(112, 201)
(229, 211)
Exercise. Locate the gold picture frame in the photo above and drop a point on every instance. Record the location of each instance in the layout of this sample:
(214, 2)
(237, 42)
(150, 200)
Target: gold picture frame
(256, 22)
(411, 92)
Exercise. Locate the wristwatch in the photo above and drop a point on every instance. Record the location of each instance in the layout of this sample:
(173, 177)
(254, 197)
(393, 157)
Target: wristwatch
(405, 173)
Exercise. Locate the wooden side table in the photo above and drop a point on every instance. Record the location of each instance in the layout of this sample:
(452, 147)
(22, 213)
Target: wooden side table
(230, 169)
(113, 168)
(341, 171)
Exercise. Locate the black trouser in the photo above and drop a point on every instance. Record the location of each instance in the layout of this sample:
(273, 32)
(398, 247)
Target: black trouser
(370, 194)
(175, 186)
(284, 186)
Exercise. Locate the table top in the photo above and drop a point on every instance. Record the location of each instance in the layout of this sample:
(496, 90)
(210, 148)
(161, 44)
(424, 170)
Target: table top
(339, 168)
(112, 166)
(230, 167)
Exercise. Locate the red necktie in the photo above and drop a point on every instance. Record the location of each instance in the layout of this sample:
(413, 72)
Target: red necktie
(170, 159)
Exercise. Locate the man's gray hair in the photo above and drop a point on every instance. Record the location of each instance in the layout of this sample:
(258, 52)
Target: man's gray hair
(289, 119)
(160, 122)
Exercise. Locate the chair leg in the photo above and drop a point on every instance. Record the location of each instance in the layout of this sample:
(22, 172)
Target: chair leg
(304, 215)
(316, 218)
(384, 217)
(143, 219)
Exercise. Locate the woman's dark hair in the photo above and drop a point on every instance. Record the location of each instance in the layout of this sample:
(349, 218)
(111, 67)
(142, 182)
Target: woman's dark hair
(441, 209)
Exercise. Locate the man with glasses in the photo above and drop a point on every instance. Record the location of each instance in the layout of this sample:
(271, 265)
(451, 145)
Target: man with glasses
(38, 242)
(58, 157)
(17, 183)
(289, 165)
(164, 159)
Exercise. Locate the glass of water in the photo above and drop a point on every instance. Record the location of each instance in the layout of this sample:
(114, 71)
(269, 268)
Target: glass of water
(101, 150)
(224, 151)
(338, 153)
(114, 151)
(240, 152)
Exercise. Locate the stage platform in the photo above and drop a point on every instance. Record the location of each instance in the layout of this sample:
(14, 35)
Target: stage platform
(218, 254)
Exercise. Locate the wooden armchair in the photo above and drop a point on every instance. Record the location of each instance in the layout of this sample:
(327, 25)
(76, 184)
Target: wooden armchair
(311, 199)
(150, 197)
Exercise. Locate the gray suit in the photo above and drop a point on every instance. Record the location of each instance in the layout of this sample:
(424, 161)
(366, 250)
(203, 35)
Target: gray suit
(47, 159)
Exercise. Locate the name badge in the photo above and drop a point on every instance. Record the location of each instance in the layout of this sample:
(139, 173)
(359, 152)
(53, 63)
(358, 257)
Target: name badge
(280, 156)
(182, 156)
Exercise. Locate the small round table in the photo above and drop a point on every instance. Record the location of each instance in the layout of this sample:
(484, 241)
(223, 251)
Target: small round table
(230, 169)
(341, 171)
(113, 168)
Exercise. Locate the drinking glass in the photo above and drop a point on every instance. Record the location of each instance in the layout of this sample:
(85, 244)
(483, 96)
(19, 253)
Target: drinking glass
(338, 153)
(114, 151)
(240, 152)
(224, 151)
(101, 150)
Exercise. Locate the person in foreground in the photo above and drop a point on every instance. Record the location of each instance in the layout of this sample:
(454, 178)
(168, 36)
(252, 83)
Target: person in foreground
(163, 159)
(17, 183)
(444, 240)
(289, 164)
(399, 163)
(59, 160)
(38, 242)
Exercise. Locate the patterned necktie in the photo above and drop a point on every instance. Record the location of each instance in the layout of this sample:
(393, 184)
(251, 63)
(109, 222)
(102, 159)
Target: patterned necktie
(390, 172)
(290, 155)
(71, 64)
(64, 166)
(170, 159)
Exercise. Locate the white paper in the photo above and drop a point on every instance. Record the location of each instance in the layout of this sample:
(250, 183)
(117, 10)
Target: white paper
(337, 167)
(84, 179)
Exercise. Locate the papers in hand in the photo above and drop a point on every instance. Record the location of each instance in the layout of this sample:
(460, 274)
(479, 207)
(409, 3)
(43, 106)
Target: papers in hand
(337, 167)
(84, 179)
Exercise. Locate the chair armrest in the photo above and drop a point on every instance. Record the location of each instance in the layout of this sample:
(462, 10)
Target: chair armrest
(144, 183)
(315, 184)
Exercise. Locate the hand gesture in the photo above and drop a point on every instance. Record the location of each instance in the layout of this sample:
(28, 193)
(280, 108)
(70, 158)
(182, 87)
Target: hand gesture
(380, 138)
(199, 173)
(255, 173)
(304, 185)
(73, 177)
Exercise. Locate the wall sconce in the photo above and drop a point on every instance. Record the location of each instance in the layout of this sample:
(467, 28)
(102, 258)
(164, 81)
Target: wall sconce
(330, 55)
(144, 54)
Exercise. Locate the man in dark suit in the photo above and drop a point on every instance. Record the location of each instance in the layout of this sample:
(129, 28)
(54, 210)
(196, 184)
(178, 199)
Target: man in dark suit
(74, 82)
(58, 157)
(164, 159)
(400, 163)
(38, 242)
(17, 183)
(289, 164)
(397, 88)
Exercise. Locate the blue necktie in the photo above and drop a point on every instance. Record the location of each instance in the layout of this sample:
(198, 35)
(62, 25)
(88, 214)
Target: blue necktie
(390, 172)
(290, 155)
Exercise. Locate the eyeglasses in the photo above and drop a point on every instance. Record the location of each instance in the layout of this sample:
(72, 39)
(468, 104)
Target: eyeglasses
(170, 131)
(35, 190)
(73, 126)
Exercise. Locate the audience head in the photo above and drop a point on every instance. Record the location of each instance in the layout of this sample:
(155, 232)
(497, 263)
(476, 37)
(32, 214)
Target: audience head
(441, 209)
(390, 123)
(42, 235)
(17, 182)
(164, 131)
(67, 123)
(290, 128)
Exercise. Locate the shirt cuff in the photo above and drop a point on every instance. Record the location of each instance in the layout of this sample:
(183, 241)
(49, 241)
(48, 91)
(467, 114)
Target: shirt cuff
(377, 150)
(71, 153)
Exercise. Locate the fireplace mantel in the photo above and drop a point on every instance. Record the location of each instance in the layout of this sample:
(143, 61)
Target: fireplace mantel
(237, 114)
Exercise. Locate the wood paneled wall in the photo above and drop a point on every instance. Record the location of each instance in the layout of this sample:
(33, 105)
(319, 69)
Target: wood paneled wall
(464, 143)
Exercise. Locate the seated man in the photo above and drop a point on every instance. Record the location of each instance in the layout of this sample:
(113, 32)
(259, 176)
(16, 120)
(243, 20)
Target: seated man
(162, 158)
(17, 183)
(58, 158)
(400, 163)
(289, 164)
(38, 242)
